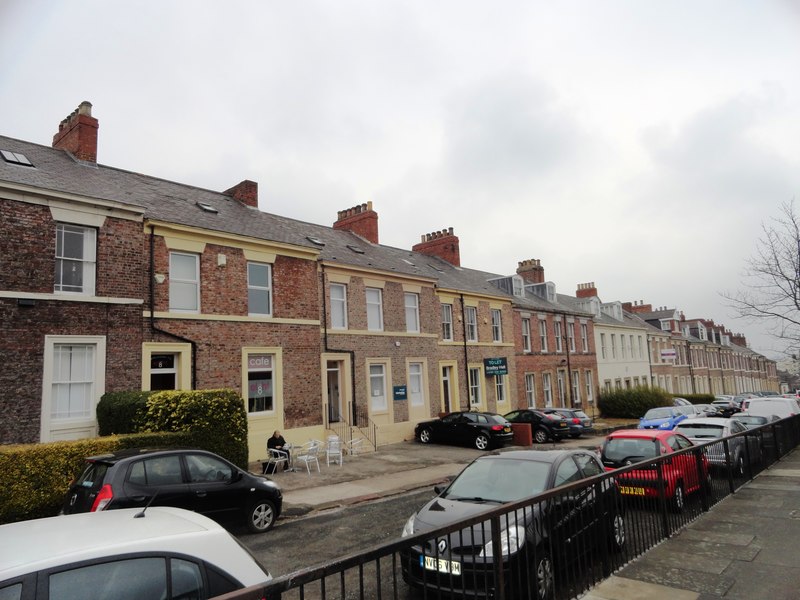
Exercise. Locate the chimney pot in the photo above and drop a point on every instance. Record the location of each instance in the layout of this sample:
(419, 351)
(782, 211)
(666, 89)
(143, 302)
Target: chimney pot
(77, 133)
(361, 220)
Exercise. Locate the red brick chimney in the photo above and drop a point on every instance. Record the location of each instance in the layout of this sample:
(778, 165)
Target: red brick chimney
(531, 270)
(245, 192)
(586, 290)
(78, 133)
(637, 307)
(739, 340)
(443, 244)
(361, 220)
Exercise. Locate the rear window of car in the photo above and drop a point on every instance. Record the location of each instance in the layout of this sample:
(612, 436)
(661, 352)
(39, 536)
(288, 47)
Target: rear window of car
(496, 419)
(581, 415)
(93, 475)
(620, 449)
(700, 430)
(659, 413)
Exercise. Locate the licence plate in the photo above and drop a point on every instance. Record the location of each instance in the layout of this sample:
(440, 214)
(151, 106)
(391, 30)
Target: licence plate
(439, 564)
(507, 429)
(631, 491)
(562, 425)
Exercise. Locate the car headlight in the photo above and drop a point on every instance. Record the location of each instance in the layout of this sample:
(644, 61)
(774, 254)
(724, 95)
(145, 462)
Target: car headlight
(408, 528)
(510, 541)
(665, 425)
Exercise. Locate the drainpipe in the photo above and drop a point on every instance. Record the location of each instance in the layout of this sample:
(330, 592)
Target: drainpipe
(569, 366)
(466, 363)
(352, 353)
(153, 327)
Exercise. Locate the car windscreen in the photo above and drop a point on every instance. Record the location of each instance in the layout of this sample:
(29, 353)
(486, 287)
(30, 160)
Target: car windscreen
(621, 450)
(659, 413)
(495, 479)
(700, 430)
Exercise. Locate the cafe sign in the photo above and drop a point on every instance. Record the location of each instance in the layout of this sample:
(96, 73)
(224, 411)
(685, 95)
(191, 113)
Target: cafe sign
(495, 366)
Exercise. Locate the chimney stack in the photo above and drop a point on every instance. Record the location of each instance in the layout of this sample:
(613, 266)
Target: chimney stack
(531, 270)
(245, 192)
(78, 133)
(586, 290)
(361, 220)
(637, 307)
(443, 244)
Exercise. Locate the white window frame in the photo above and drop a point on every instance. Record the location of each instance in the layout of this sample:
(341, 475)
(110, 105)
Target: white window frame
(530, 389)
(260, 289)
(411, 302)
(561, 386)
(614, 345)
(547, 390)
(576, 387)
(416, 384)
(497, 325)
(500, 388)
(557, 335)
(447, 322)
(603, 349)
(378, 397)
(571, 336)
(584, 337)
(526, 335)
(543, 335)
(194, 282)
(374, 297)
(471, 323)
(589, 386)
(474, 386)
(252, 366)
(338, 306)
(86, 262)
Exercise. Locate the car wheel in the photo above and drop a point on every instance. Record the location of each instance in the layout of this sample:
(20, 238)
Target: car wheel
(540, 436)
(574, 436)
(543, 572)
(618, 532)
(738, 469)
(678, 499)
(261, 516)
(482, 442)
(426, 435)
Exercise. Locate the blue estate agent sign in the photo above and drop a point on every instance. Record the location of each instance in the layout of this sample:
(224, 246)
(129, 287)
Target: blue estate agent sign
(495, 366)
(400, 392)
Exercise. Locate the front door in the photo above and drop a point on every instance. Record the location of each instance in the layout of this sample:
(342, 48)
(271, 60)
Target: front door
(447, 390)
(334, 391)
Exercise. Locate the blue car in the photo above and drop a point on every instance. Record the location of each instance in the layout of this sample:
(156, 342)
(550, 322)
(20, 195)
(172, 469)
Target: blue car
(664, 417)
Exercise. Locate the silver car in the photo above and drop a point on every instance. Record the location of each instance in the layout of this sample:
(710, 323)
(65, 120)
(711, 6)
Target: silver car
(707, 429)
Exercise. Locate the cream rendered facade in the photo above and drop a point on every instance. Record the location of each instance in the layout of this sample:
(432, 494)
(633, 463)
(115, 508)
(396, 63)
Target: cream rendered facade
(622, 356)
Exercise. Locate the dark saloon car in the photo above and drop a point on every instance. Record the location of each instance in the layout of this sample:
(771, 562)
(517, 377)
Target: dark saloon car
(185, 478)
(544, 426)
(480, 429)
(534, 540)
(577, 420)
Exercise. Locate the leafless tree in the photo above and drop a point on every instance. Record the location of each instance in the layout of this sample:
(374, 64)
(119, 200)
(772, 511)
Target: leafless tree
(771, 290)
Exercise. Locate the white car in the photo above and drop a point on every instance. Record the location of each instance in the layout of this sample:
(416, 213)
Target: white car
(126, 554)
(766, 407)
(741, 449)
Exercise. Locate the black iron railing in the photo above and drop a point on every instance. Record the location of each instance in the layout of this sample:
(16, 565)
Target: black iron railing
(556, 545)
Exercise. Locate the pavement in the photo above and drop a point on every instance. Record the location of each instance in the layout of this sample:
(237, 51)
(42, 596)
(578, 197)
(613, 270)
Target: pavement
(745, 548)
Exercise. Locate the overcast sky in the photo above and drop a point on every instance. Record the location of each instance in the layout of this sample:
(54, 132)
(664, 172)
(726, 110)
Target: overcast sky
(639, 145)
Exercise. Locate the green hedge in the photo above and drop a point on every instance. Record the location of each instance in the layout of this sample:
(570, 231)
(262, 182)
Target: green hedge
(121, 412)
(698, 398)
(632, 403)
(35, 477)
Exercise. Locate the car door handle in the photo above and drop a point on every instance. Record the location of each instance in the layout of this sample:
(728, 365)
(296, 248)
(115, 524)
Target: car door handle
(201, 493)
(138, 498)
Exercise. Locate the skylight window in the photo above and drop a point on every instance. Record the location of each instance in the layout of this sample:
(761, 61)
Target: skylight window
(15, 158)
(207, 207)
(355, 249)
(405, 260)
(315, 240)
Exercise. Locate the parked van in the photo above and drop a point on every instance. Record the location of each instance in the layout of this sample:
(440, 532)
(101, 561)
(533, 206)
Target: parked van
(766, 407)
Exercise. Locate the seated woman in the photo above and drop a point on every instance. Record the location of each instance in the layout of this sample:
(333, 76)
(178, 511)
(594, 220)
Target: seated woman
(277, 443)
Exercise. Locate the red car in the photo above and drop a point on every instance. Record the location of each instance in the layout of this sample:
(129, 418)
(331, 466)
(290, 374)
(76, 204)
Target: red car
(629, 446)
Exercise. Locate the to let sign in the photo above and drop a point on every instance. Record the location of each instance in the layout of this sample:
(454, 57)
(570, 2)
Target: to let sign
(495, 366)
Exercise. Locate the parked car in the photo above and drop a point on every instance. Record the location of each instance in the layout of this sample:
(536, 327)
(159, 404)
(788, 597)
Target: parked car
(677, 401)
(483, 430)
(681, 475)
(726, 407)
(692, 411)
(463, 561)
(741, 449)
(781, 407)
(663, 417)
(128, 554)
(544, 426)
(579, 422)
(767, 436)
(185, 478)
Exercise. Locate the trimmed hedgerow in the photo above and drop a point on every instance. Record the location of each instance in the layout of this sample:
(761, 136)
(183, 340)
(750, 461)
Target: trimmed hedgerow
(121, 412)
(632, 403)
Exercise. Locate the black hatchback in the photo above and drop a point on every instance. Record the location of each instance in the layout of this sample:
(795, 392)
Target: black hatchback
(543, 426)
(480, 429)
(185, 478)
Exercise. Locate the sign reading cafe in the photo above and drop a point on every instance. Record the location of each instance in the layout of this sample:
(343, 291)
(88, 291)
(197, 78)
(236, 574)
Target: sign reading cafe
(495, 366)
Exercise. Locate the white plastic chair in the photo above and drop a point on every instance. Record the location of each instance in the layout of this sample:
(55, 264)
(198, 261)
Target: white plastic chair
(276, 458)
(334, 450)
(354, 447)
(308, 455)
